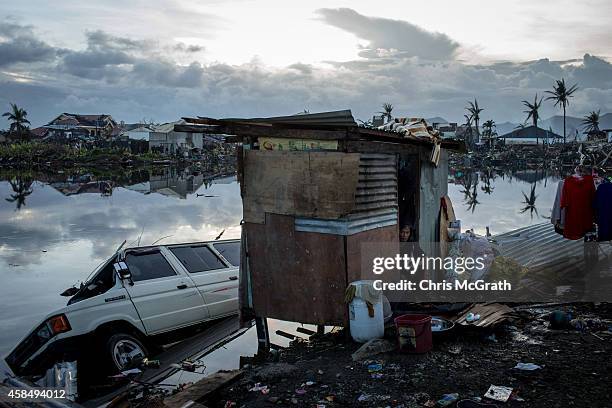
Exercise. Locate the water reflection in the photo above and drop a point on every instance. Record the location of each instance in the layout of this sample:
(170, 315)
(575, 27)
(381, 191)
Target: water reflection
(22, 188)
(56, 228)
(530, 202)
(509, 199)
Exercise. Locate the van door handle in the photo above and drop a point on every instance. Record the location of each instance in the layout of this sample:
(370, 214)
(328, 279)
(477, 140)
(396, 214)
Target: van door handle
(182, 286)
(233, 278)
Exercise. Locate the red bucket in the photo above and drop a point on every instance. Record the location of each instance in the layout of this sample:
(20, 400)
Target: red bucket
(414, 333)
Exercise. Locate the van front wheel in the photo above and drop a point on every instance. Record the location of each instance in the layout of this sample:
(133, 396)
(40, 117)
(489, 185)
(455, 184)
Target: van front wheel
(125, 351)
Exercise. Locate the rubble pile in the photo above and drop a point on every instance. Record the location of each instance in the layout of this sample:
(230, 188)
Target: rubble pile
(526, 360)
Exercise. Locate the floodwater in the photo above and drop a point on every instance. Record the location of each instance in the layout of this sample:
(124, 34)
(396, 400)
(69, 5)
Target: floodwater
(54, 230)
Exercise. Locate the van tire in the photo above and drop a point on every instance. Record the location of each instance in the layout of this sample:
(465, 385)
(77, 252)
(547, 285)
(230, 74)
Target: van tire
(118, 348)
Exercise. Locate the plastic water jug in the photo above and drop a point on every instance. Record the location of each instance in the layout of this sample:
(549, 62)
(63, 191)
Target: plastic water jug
(363, 327)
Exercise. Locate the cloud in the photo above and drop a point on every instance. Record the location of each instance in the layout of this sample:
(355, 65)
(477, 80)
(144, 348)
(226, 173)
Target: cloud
(132, 78)
(18, 44)
(391, 37)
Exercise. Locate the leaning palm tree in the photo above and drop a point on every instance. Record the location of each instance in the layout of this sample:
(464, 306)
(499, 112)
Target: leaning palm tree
(18, 118)
(386, 112)
(561, 94)
(533, 113)
(591, 122)
(474, 112)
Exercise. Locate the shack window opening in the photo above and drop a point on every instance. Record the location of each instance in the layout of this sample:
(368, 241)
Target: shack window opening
(408, 197)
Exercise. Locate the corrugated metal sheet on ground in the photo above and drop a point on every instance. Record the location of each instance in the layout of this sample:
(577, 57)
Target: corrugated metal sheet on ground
(375, 200)
(540, 247)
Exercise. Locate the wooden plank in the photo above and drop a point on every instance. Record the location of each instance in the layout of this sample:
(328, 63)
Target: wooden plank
(285, 334)
(306, 331)
(201, 389)
(296, 276)
(305, 184)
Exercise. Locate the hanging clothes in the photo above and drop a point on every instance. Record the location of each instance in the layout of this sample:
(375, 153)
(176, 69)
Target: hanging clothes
(557, 217)
(577, 199)
(603, 211)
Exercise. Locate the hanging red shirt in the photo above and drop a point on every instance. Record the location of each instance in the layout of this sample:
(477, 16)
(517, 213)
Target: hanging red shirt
(577, 199)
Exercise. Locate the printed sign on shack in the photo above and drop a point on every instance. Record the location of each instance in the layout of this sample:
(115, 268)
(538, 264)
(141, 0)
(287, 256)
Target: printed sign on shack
(281, 144)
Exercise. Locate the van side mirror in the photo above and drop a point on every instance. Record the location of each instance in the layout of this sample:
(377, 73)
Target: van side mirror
(123, 271)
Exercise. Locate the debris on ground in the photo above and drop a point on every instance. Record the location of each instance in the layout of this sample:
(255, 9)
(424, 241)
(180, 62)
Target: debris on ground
(527, 365)
(499, 393)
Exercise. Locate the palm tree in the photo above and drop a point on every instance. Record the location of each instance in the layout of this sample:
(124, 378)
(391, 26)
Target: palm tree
(386, 112)
(474, 112)
(18, 118)
(561, 94)
(533, 113)
(591, 122)
(467, 133)
(488, 130)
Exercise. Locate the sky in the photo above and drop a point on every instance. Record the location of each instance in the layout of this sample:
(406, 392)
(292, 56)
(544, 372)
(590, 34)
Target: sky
(160, 60)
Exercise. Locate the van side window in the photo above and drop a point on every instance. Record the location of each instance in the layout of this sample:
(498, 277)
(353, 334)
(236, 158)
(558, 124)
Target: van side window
(148, 265)
(198, 258)
(230, 251)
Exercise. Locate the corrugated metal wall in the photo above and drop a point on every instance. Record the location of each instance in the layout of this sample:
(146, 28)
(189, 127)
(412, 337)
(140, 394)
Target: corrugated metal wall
(434, 185)
(375, 200)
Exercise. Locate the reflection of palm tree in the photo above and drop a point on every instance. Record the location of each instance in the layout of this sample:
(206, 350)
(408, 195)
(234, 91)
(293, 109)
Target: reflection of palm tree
(22, 188)
(487, 188)
(470, 192)
(530, 202)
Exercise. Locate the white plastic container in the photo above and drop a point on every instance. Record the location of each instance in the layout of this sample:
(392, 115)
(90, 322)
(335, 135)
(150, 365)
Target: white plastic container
(362, 326)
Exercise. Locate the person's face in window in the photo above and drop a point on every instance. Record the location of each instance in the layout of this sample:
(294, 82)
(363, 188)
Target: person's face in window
(405, 234)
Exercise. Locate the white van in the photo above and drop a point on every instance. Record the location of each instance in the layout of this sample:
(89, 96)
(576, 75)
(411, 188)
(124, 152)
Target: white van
(135, 296)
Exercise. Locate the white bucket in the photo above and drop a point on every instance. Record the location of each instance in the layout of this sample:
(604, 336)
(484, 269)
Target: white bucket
(362, 326)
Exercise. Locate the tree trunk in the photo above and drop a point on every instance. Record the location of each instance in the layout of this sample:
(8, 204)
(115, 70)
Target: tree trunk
(564, 124)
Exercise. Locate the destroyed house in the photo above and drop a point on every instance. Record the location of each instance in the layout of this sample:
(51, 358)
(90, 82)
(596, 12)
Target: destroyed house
(314, 188)
(75, 126)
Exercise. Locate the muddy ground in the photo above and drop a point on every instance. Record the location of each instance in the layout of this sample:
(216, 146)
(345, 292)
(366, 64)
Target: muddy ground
(576, 369)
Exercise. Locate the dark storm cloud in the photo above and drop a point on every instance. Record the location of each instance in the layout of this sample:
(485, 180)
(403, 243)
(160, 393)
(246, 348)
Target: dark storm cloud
(18, 44)
(391, 36)
(168, 74)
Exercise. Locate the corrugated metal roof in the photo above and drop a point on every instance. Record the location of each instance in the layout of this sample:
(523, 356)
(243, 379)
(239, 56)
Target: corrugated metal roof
(334, 118)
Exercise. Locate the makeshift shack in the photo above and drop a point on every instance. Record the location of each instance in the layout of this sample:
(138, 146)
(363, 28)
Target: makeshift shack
(314, 188)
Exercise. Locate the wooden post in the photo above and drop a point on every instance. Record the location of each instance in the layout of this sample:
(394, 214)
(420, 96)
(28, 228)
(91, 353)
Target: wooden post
(263, 336)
